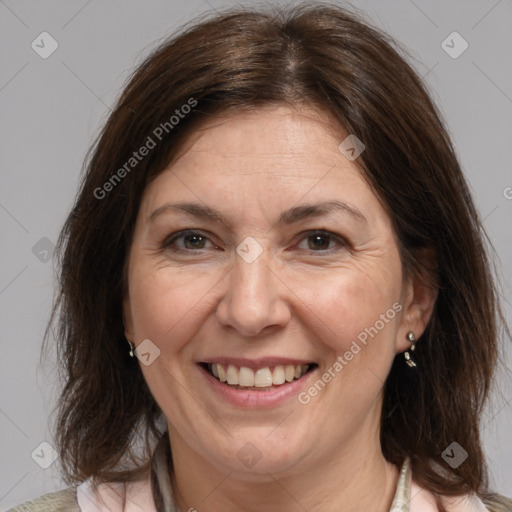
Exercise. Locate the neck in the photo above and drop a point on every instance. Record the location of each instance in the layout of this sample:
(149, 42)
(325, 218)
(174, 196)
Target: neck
(352, 479)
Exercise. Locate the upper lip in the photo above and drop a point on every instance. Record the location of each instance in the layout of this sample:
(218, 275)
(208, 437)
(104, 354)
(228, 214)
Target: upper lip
(260, 362)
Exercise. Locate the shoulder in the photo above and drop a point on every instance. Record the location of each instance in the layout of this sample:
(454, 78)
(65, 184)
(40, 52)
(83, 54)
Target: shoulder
(422, 500)
(60, 501)
(488, 503)
(497, 503)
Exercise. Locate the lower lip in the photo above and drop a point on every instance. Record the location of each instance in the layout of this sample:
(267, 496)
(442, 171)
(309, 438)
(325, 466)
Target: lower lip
(252, 399)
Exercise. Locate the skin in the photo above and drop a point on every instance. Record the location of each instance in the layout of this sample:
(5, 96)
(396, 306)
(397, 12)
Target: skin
(295, 300)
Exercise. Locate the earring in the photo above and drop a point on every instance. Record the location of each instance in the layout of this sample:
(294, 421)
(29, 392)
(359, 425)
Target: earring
(408, 356)
(132, 349)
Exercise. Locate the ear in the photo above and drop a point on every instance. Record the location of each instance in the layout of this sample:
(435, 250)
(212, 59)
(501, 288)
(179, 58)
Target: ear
(418, 298)
(127, 307)
(127, 318)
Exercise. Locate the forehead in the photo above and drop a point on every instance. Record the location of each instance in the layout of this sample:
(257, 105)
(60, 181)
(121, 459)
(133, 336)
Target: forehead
(268, 134)
(264, 162)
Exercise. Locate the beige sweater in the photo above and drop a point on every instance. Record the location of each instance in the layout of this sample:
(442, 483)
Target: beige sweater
(66, 501)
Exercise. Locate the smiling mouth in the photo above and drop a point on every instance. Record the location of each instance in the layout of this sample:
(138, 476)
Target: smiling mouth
(260, 379)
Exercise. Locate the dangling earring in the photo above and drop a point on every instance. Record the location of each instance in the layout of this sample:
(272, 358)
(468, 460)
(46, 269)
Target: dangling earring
(408, 356)
(132, 348)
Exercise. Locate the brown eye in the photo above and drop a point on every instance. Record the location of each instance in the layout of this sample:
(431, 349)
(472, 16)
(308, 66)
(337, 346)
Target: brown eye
(318, 242)
(321, 241)
(194, 241)
(188, 241)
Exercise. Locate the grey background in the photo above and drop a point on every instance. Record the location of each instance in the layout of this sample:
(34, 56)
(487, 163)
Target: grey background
(50, 110)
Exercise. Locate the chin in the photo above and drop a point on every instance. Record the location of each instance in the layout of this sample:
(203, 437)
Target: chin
(254, 454)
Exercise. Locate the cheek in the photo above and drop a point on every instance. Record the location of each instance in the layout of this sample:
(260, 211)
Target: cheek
(168, 306)
(351, 305)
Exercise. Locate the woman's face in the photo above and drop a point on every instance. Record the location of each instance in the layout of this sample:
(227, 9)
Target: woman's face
(259, 254)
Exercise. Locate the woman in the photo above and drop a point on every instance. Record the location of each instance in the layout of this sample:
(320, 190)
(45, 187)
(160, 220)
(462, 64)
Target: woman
(265, 301)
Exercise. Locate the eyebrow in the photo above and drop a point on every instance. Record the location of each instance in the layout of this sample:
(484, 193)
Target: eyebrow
(288, 217)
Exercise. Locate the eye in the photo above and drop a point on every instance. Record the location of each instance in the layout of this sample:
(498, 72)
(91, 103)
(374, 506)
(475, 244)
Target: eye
(188, 241)
(322, 241)
(195, 241)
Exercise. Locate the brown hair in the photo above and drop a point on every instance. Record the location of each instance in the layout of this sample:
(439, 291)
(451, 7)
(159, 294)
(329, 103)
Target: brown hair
(322, 56)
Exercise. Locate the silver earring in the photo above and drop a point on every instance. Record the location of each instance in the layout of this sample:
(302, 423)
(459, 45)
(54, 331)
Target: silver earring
(132, 348)
(408, 356)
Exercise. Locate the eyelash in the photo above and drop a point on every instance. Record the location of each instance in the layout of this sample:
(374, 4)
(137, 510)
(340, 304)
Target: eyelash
(170, 241)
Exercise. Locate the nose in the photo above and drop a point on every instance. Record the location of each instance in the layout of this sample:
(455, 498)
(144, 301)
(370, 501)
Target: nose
(255, 299)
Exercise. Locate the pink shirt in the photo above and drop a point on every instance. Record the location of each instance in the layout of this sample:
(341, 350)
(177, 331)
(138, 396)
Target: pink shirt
(136, 497)
(423, 501)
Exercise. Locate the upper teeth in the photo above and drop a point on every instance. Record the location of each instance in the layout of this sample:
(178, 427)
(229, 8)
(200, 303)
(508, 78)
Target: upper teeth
(261, 378)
